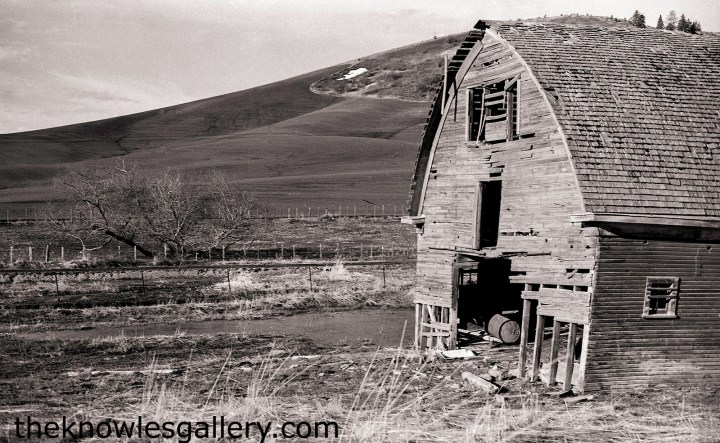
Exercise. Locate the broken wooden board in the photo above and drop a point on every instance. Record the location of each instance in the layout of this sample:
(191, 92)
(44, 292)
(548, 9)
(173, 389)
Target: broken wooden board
(487, 386)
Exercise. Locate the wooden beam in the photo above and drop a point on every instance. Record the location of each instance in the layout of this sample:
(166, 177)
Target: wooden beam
(554, 348)
(524, 332)
(570, 357)
(453, 310)
(537, 347)
(707, 222)
(418, 322)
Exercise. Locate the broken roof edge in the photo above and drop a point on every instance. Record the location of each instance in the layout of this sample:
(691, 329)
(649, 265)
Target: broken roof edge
(435, 119)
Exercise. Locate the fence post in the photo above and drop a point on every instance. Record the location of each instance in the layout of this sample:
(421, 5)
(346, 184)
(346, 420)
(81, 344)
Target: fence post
(361, 252)
(296, 212)
(223, 254)
(382, 214)
(62, 254)
(244, 251)
(12, 259)
(47, 253)
(320, 251)
(118, 254)
(30, 253)
(354, 210)
(165, 250)
(371, 251)
(228, 278)
(282, 251)
(293, 252)
(382, 251)
(310, 272)
(135, 253)
(57, 288)
(209, 253)
(337, 251)
(383, 269)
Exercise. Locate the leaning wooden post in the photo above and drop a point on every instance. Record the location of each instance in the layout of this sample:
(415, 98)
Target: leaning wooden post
(524, 332)
(537, 347)
(135, 253)
(47, 253)
(570, 357)
(554, 348)
(165, 250)
(30, 253)
(418, 320)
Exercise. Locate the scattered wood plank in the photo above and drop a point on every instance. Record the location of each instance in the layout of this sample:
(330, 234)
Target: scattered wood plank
(578, 399)
(487, 386)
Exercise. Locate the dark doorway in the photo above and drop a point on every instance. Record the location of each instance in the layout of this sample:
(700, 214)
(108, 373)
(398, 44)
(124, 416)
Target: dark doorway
(487, 293)
(488, 220)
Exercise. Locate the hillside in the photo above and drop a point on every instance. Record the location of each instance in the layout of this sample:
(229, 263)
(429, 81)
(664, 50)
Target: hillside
(309, 140)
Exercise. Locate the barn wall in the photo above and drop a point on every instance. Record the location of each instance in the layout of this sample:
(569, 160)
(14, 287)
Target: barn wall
(539, 192)
(626, 350)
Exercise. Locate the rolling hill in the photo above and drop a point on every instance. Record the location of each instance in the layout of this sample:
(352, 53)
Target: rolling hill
(312, 140)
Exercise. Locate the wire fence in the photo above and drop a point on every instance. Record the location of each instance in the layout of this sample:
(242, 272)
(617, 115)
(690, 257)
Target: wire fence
(157, 285)
(59, 254)
(41, 215)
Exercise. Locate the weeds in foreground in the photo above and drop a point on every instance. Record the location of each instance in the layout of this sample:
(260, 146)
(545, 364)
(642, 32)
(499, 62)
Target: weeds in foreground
(401, 396)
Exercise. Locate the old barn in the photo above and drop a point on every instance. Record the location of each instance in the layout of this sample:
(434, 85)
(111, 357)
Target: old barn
(569, 181)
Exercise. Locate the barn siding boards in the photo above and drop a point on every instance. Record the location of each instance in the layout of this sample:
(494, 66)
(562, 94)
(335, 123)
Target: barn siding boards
(539, 193)
(628, 351)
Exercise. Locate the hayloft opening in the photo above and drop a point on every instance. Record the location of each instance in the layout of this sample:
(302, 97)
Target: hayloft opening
(492, 112)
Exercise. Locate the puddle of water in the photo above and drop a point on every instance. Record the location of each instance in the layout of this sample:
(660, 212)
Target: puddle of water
(382, 327)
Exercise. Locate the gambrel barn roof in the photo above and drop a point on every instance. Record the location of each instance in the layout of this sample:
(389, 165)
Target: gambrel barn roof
(639, 109)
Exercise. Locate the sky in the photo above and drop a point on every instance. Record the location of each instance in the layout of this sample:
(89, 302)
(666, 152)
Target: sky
(69, 61)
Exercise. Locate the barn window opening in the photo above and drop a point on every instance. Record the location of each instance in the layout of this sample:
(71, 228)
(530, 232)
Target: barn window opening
(661, 297)
(487, 218)
(493, 112)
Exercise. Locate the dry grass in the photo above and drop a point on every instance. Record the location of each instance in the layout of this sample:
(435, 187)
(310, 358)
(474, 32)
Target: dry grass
(403, 398)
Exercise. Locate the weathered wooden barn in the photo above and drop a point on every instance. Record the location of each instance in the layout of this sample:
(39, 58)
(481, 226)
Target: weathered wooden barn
(569, 174)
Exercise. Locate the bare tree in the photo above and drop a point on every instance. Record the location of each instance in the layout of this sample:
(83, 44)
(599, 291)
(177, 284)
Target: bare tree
(146, 212)
(230, 210)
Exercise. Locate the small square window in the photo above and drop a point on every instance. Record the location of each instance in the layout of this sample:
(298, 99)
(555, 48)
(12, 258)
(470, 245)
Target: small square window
(661, 297)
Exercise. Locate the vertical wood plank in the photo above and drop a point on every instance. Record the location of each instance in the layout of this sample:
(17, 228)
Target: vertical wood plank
(570, 357)
(452, 317)
(583, 357)
(554, 348)
(524, 332)
(418, 319)
(537, 347)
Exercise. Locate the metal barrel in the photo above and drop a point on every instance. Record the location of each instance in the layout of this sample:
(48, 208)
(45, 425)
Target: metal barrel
(503, 328)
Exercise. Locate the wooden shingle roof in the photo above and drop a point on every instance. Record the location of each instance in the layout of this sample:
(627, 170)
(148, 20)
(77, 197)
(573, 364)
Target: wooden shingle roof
(640, 109)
